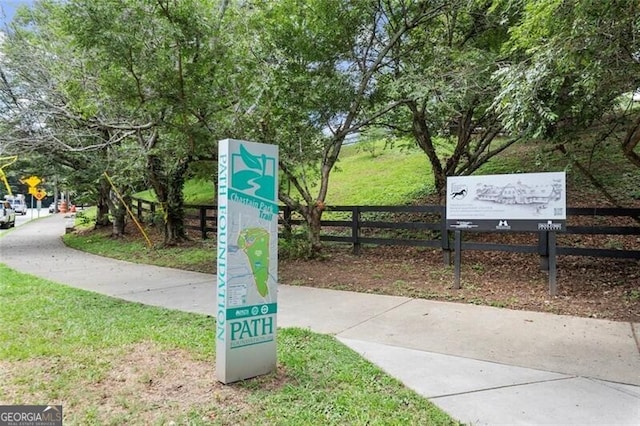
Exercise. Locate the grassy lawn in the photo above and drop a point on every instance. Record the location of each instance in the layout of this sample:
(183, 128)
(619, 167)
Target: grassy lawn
(386, 176)
(111, 362)
(198, 256)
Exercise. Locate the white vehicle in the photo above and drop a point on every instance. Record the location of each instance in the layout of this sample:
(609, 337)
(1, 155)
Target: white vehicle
(18, 203)
(7, 215)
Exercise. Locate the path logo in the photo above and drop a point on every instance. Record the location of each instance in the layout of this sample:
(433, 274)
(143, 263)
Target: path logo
(254, 174)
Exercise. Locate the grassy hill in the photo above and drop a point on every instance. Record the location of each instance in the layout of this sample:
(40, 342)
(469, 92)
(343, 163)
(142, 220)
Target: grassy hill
(401, 175)
(370, 174)
(375, 174)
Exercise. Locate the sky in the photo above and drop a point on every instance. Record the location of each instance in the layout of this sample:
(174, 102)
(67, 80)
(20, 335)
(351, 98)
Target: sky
(8, 9)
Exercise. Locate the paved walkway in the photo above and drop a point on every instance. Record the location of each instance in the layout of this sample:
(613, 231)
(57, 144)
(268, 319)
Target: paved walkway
(482, 365)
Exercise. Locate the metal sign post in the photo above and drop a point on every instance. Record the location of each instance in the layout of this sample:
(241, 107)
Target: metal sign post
(457, 263)
(553, 285)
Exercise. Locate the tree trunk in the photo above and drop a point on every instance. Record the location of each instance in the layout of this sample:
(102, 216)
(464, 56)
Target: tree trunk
(119, 217)
(313, 216)
(422, 135)
(168, 189)
(174, 230)
(102, 213)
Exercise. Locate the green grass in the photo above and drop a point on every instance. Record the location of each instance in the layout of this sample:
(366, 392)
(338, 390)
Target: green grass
(197, 257)
(604, 161)
(371, 173)
(105, 360)
(402, 174)
(199, 191)
(195, 191)
(392, 177)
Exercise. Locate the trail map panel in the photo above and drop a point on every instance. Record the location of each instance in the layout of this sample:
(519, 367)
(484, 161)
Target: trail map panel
(509, 202)
(247, 260)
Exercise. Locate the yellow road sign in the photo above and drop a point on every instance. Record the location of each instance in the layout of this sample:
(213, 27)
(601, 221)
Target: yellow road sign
(33, 190)
(40, 194)
(32, 181)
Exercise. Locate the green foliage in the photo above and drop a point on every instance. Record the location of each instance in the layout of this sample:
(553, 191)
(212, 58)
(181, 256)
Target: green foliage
(147, 195)
(304, 83)
(195, 191)
(85, 218)
(120, 83)
(295, 246)
(199, 192)
(154, 219)
(570, 62)
(442, 80)
(370, 140)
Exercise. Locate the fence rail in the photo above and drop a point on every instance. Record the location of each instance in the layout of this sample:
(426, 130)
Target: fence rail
(425, 226)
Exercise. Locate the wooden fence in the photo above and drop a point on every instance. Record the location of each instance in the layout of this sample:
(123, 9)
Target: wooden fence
(424, 226)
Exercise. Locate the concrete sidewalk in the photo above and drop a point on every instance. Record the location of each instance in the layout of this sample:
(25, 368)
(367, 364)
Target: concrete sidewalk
(482, 365)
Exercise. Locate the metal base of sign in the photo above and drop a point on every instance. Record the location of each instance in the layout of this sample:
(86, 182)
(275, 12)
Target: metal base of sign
(550, 262)
(457, 246)
(553, 286)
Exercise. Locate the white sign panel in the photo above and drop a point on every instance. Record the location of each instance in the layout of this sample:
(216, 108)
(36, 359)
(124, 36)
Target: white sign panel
(524, 201)
(247, 261)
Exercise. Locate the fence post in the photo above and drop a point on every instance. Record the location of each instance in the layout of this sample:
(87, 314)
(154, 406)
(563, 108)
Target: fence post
(444, 237)
(138, 208)
(543, 250)
(203, 222)
(355, 229)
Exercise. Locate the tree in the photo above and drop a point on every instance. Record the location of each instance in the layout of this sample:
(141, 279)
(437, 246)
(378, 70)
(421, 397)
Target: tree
(571, 62)
(319, 65)
(43, 114)
(441, 74)
(56, 103)
(166, 72)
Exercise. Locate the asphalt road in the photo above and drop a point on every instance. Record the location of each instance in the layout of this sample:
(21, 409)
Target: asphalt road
(32, 214)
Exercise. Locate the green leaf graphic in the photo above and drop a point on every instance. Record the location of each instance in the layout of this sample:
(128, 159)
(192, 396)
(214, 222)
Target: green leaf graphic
(250, 160)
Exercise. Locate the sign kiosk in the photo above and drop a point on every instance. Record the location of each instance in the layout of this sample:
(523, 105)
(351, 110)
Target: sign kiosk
(522, 202)
(247, 260)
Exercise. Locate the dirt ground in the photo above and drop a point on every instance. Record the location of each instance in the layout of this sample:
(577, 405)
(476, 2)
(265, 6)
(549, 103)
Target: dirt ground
(587, 287)
(605, 288)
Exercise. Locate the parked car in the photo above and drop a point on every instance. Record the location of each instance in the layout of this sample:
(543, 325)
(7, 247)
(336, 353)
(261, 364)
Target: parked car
(7, 215)
(52, 207)
(19, 205)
